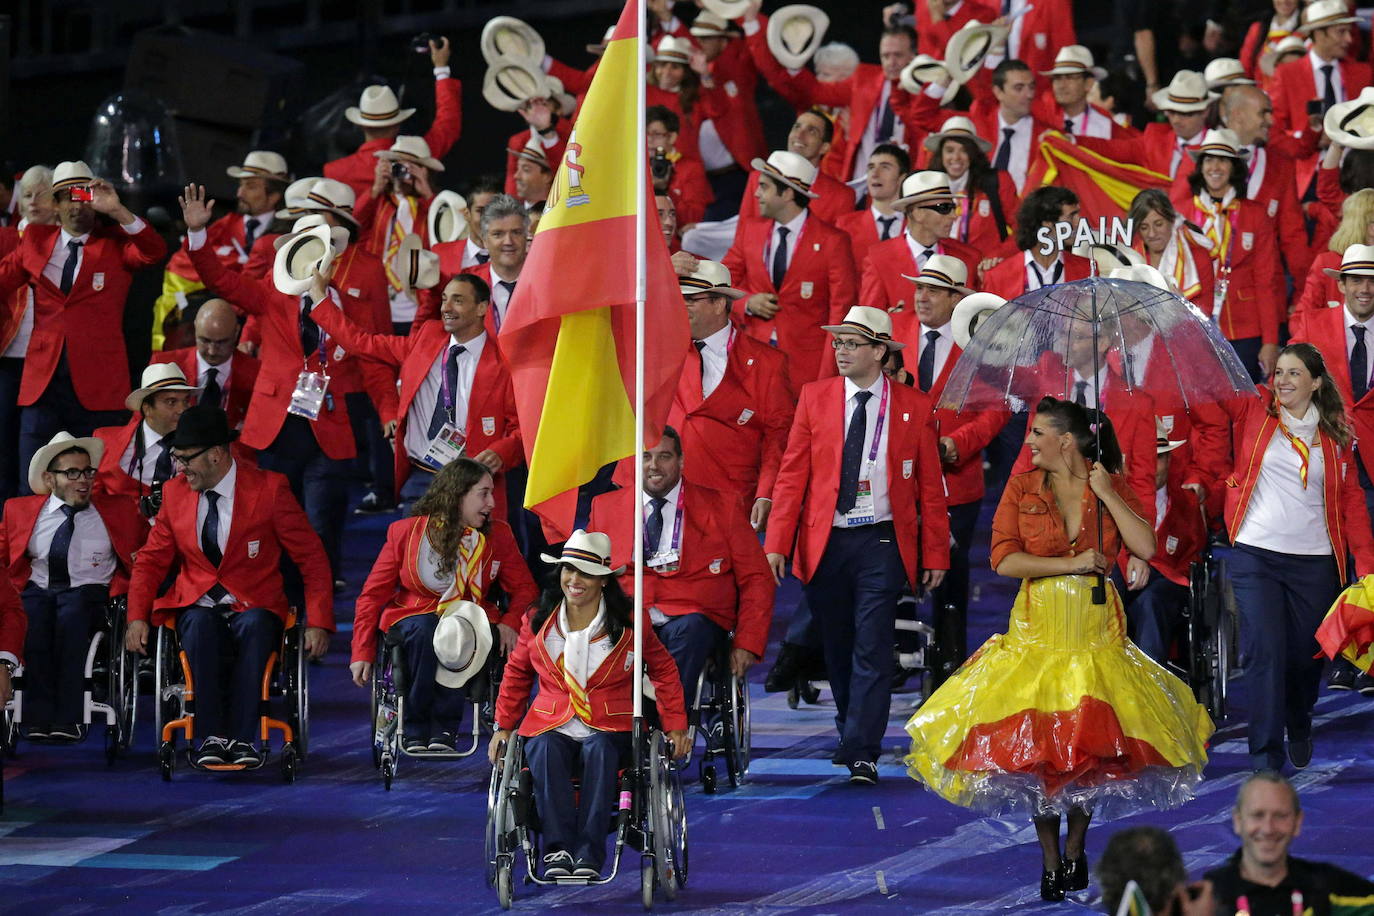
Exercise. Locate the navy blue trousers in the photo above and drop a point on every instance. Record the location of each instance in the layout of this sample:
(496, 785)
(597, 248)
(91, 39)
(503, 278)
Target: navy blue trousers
(415, 485)
(853, 595)
(57, 409)
(227, 648)
(578, 826)
(1282, 599)
(1248, 348)
(55, 651)
(319, 483)
(690, 639)
(427, 701)
(949, 602)
(374, 461)
(1151, 614)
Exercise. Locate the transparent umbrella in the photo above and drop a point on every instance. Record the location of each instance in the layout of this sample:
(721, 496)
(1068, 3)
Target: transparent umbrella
(1151, 341)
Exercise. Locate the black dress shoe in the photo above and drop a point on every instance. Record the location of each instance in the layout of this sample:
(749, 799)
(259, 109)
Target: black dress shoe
(1343, 675)
(1300, 752)
(1074, 873)
(785, 670)
(1364, 684)
(1052, 884)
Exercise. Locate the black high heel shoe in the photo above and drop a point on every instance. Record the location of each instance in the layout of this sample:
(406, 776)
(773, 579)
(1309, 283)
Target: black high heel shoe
(1074, 873)
(1052, 884)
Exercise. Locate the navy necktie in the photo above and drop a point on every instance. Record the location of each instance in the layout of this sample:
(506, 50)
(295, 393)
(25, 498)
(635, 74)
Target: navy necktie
(69, 268)
(925, 370)
(887, 124)
(209, 542)
(1068, 125)
(701, 358)
(310, 331)
(1329, 95)
(780, 257)
(886, 222)
(1359, 363)
(483, 257)
(250, 233)
(162, 469)
(853, 452)
(211, 394)
(442, 410)
(1080, 393)
(653, 526)
(59, 576)
(1003, 161)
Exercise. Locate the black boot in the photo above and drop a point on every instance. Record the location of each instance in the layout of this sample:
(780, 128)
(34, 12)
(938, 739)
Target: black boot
(786, 669)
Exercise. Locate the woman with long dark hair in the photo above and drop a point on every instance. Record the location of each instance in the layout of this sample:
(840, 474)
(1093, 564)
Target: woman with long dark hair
(1062, 713)
(986, 197)
(450, 544)
(577, 647)
(1172, 245)
(1294, 510)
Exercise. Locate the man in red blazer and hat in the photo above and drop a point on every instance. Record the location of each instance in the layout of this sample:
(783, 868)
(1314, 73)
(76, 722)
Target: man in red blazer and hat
(223, 377)
(75, 375)
(224, 527)
(69, 550)
(860, 505)
(138, 456)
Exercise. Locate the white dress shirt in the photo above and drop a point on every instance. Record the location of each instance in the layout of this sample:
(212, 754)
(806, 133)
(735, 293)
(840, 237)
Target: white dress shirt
(225, 508)
(944, 346)
(713, 360)
(1019, 162)
(1259, 158)
(152, 451)
(670, 509)
(1038, 276)
(875, 473)
(422, 407)
(19, 346)
(897, 225)
(58, 260)
(1090, 123)
(1090, 386)
(1283, 516)
(90, 556)
(794, 231)
(714, 153)
(920, 253)
(1017, 27)
(1178, 156)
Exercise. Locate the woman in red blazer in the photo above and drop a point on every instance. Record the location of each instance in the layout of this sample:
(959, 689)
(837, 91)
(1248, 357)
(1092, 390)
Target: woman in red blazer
(1294, 509)
(1247, 300)
(449, 541)
(578, 646)
(987, 198)
(1174, 246)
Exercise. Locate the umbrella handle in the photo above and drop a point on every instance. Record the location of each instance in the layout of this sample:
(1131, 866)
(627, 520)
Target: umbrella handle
(1100, 590)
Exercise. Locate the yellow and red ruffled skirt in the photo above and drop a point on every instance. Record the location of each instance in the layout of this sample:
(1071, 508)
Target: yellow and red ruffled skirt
(1062, 710)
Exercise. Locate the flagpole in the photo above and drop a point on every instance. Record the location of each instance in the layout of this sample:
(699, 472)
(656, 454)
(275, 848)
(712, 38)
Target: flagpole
(641, 48)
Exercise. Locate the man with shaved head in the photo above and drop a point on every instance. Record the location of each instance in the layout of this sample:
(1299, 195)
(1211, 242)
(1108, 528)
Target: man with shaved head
(224, 376)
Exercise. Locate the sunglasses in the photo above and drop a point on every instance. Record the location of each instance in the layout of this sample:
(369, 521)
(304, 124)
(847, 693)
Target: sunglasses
(944, 209)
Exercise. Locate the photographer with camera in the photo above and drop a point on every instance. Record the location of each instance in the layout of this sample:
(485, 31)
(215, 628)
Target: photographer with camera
(681, 177)
(137, 456)
(397, 205)
(380, 115)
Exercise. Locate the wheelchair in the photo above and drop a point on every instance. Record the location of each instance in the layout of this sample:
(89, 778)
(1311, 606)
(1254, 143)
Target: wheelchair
(389, 679)
(650, 817)
(721, 713)
(285, 679)
(1211, 633)
(110, 690)
(914, 648)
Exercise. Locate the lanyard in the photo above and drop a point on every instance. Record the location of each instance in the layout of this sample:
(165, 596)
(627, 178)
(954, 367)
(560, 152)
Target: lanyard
(878, 428)
(677, 525)
(965, 201)
(1243, 904)
(1054, 276)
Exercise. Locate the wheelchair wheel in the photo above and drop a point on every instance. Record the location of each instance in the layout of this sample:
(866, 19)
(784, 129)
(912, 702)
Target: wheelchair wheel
(377, 728)
(289, 763)
(388, 770)
(667, 818)
(1223, 635)
(505, 893)
(738, 730)
(296, 676)
(646, 885)
(166, 760)
(168, 695)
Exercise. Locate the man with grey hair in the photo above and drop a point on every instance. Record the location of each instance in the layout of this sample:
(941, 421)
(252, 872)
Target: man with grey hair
(505, 233)
(835, 61)
(1261, 878)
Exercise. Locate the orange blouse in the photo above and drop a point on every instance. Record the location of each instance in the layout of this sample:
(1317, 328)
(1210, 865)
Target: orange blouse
(1028, 519)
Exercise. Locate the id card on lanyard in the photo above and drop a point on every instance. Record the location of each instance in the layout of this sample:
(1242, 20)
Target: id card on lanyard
(312, 388)
(863, 511)
(450, 442)
(666, 562)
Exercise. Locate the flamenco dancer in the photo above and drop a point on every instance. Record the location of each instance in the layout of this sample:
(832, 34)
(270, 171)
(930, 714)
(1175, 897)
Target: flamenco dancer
(1062, 713)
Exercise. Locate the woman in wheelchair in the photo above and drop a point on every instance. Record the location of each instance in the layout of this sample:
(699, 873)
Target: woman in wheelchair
(577, 647)
(450, 541)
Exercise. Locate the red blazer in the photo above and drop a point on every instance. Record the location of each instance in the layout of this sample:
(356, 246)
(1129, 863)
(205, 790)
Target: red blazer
(87, 323)
(562, 128)
(690, 190)
(395, 590)
(1255, 305)
(808, 487)
(981, 231)
(12, 308)
(722, 572)
(1326, 211)
(862, 230)
(1179, 535)
(884, 286)
(734, 439)
(357, 168)
(1293, 87)
(226, 238)
(14, 623)
(1045, 28)
(836, 199)
(263, 256)
(818, 289)
(429, 300)
(126, 528)
(242, 378)
(1347, 519)
(1008, 278)
(375, 215)
(731, 106)
(971, 431)
(1324, 328)
(610, 688)
(933, 35)
(283, 359)
(1256, 40)
(267, 520)
(988, 123)
(1320, 291)
(492, 420)
(1152, 149)
(1202, 259)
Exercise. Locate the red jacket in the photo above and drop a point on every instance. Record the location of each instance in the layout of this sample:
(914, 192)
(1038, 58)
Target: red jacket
(818, 289)
(127, 531)
(1320, 291)
(980, 229)
(884, 286)
(395, 590)
(722, 572)
(1179, 535)
(1347, 519)
(562, 129)
(357, 168)
(1202, 260)
(1008, 278)
(267, 520)
(1293, 86)
(492, 420)
(835, 202)
(13, 307)
(691, 191)
(14, 623)
(87, 323)
(808, 487)
(1324, 328)
(1255, 303)
(735, 437)
(283, 360)
(375, 216)
(933, 35)
(1256, 42)
(970, 430)
(731, 106)
(989, 126)
(226, 238)
(862, 231)
(610, 688)
(243, 376)
(1045, 28)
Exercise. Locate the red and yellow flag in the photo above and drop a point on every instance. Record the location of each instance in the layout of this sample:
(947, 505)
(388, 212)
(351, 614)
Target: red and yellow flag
(1349, 626)
(569, 337)
(1105, 187)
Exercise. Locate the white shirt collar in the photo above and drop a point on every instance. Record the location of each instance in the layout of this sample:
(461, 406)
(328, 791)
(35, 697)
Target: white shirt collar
(718, 342)
(851, 388)
(1351, 319)
(1318, 62)
(150, 436)
(225, 487)
(946, 330)
(794, 226)
(224, 368)
(53, 505)
(1019, 125)
(472, 347)
(65, 237)
(671, 497)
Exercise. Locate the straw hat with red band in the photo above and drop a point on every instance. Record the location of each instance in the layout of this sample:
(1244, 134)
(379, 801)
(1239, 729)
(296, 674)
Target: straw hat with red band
(944, 271)
(709, 25)
(966, 51)
(414, 265)
(1186, 93)
(448, 217)
(869, 323)
(920, 188)
(296, 197)
(339, 237)
(532, 151)
(1323, 14)
(71, 175)
(1358, 261)
(1271, 58)
(324, 194)
(956, 128)
(301, 255)
(158, 377)
(1351, 124)
(261, 163)
(1220, 141)
(791, 169)
(509, 84)
(506, 38)
(413, 150)
(795, 33)
(673, 50)
(588, 552)
(378, 107)
(727, 9)
(709, 277)
(922, 71)
(1075, 60)
(58, 444)
(1223, 73)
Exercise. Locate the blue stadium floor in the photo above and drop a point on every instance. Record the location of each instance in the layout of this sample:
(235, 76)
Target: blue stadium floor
(77, 837)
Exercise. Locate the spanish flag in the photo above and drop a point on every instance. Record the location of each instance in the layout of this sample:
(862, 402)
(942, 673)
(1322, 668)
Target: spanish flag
(1348, 628)
(569, 336)
(1105, 187)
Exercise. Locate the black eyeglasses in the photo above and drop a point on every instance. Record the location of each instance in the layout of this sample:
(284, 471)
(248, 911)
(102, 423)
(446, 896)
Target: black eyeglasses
(75, 474)
(184, 460)
(849, 346)
(944, 209)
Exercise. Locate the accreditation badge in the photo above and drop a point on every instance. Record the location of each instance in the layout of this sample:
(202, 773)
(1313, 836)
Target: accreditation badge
(354, 292)
(495, 569)
(1273, 207)
(488, 426)
(1040, 40)
(1168, 422)
(338, 354)
(731, 89)
(308, 397)
(807, 288)
(98, 280)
